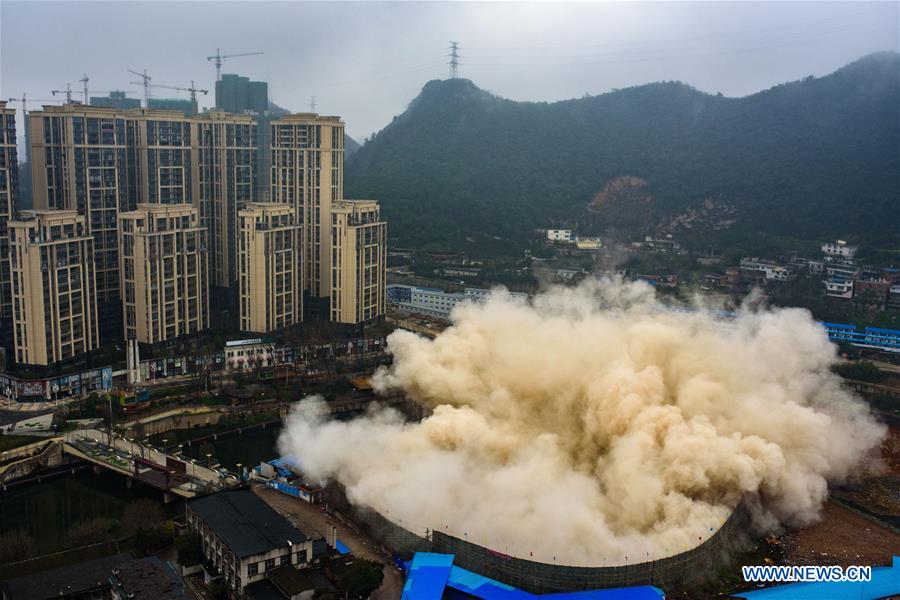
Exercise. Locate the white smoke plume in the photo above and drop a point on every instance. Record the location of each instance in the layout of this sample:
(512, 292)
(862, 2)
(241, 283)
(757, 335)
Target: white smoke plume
(594, 427)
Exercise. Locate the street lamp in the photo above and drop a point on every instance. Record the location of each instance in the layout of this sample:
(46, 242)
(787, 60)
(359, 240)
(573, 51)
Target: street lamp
(164, 440)
(209, 460)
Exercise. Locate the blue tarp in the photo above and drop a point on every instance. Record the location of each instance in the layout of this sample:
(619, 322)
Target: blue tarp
(885, 583)
(455, 580)
(341, 547)
(427, 576)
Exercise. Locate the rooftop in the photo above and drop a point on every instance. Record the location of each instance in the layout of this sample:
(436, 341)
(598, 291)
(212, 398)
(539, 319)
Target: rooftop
(147, 579)
(245, 523)
(65, 582)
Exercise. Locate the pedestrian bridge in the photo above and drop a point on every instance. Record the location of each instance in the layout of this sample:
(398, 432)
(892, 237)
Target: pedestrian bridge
(171, 474)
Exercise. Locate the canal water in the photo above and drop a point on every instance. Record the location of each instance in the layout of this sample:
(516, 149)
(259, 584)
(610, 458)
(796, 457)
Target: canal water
(249, 448)
(48, 510)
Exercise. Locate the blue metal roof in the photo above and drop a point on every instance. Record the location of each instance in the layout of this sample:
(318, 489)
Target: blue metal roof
(427, 576)
(885, 583)
(430, 575)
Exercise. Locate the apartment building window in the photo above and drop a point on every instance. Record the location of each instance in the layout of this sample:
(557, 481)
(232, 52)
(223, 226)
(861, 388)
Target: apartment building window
(252, 569)
(270, 564)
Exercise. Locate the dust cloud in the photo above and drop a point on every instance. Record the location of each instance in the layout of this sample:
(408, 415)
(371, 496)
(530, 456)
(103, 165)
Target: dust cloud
(593, 426)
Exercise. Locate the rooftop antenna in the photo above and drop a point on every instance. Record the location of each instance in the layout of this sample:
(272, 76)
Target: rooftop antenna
(312, 104)
(454, 59)
(146, 79)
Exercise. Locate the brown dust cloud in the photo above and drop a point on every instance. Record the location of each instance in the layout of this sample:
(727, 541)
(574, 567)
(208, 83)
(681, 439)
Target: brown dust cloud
(594, 426)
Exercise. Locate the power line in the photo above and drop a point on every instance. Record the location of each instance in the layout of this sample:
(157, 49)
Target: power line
(454, 59)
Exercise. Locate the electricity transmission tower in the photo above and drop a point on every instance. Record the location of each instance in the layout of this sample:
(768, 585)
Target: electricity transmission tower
(454, 59)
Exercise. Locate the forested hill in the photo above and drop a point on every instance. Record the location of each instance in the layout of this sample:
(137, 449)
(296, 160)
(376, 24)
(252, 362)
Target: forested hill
(810, 159)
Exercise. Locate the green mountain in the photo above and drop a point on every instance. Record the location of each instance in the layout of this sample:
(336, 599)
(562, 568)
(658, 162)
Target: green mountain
(807, 160)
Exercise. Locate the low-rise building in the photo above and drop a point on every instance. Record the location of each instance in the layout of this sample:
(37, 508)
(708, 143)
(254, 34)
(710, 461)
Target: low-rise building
(560, 235)
(243, 538)
(772, 271)
(837, 287)
(840, 249)
(588, 243)
(435, 302)
(245, 355)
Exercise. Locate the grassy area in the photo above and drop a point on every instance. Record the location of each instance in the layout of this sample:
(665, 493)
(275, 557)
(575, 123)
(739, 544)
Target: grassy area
(8, 442)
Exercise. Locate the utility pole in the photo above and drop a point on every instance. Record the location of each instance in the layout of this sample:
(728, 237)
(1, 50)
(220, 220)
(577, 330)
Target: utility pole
(454, 59)
(312, 104)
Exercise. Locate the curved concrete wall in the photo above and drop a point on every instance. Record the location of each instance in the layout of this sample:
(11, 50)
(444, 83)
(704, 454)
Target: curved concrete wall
(688, 567)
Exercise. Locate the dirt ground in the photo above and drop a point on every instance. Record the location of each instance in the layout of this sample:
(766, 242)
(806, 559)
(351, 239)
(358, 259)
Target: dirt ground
(311, 519)
(843, 538)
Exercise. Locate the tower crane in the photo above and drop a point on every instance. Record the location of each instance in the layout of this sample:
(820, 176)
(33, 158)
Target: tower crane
(24, 100)
(146, 83)
(193, 90)
(218, 57)
(67, 92)
(84, 79)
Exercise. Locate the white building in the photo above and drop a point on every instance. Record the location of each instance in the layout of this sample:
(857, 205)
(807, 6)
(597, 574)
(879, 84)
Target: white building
(435, 302)
(246, 355)
(772, 271)
(243, 538)
(839, 248)
(837, 287)
(560, 235)
(588, 243)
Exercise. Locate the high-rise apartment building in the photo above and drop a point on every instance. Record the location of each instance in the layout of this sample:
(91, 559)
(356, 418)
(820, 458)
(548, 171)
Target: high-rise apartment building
(115, 99)
(308, 174)
(239, 95)
(102, 161)
(53, 288)
(271, 269)
(358, 261)
(9, 188)
(163, 271)
(226, 166)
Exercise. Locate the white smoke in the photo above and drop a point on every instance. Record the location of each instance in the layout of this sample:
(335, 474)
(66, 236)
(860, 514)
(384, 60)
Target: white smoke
(593, 425)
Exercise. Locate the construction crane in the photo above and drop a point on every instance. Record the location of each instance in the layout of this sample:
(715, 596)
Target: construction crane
(193, 90)
(218, 57)
(24, 100)
(67, 92)
(146, 83)
(84, 79)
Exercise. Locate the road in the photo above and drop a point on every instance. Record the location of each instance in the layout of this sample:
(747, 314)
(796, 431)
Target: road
(310, 518)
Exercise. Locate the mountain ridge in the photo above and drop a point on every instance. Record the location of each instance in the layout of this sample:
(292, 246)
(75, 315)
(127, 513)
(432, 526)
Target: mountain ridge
(460, 161)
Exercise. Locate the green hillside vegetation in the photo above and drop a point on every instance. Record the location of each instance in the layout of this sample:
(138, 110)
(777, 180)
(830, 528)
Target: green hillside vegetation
(807, 160)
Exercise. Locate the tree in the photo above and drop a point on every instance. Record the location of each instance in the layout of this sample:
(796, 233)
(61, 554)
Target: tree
(89, 532)
(189, 548)
(360, 578)
(141, 514)
(15, 546)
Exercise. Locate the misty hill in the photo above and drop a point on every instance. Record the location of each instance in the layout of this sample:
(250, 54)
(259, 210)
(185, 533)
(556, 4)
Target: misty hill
(810, 159)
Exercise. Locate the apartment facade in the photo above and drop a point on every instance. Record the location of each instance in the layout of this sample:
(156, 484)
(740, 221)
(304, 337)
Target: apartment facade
(358, 262)
(163, 271)
(243, 538)
(308, 174)
(9, 197)
(54, 303)
(271, 267)
(226, 165)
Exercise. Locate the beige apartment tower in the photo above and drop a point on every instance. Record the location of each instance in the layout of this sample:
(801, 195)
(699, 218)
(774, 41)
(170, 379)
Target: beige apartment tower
(308, 174)
(163, 270)
(226, 165)
(53, 287)
(9, 187)
(271, 267)
(359, 261)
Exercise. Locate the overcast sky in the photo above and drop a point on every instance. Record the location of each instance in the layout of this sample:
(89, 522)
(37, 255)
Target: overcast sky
(366, 61)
